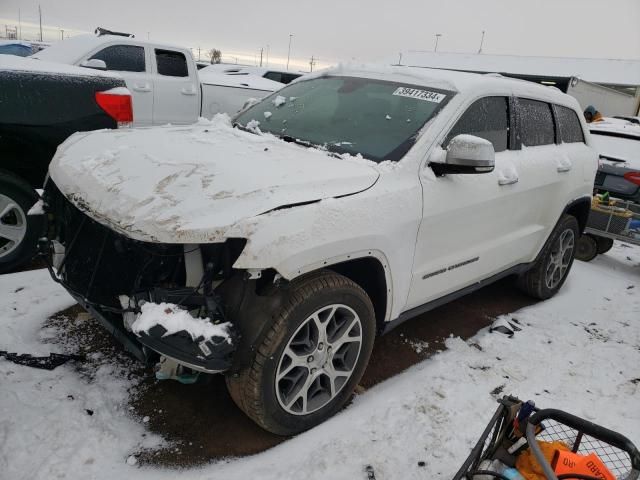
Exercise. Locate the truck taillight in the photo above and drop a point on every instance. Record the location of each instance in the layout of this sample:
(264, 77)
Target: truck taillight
(117, 106)
(633, 177)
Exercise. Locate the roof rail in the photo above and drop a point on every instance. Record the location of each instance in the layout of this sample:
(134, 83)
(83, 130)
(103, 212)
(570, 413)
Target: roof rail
(103, 31)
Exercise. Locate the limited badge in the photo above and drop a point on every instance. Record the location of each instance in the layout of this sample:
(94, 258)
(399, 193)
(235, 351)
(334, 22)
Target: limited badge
(426, 95)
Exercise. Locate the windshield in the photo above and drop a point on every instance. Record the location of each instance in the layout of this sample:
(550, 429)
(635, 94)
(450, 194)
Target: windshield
(377, 119)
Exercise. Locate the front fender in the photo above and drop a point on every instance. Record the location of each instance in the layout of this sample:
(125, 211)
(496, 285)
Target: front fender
(301, 239)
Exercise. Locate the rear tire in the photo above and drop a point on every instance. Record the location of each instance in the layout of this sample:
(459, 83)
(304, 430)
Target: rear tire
(587, 248)
(19, 232)
(550, 270)
(312, 357)
(604, 244)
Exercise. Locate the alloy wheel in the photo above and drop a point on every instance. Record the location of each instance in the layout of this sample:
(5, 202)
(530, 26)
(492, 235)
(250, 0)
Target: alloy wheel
(318, 359)
(560, 259)
(13, 225)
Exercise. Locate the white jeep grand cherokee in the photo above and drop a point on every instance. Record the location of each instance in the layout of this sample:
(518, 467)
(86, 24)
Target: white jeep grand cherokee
(276, 246)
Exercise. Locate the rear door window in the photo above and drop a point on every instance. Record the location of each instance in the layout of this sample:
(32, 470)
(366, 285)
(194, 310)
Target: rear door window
(122, 58)
(569, 125)
(171, 63)
(536, 123)
(486, 118)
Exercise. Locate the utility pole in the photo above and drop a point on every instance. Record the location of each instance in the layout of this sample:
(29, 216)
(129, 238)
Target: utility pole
(438, 35)
(62, 34)
(481, 42)
(261, 52)
(148, 35)
(198, 53)
(19, 25)
(400, 59)
(312, 62)
(289, 54)
(40, 15)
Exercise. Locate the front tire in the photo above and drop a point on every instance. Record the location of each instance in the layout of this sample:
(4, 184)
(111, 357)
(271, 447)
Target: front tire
(312, 357)
(554, 262)
(19, 232)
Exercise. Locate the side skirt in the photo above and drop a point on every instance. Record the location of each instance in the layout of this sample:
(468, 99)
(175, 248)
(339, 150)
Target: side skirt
(414, 312)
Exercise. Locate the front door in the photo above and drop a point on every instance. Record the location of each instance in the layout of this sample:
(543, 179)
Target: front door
(470, 222)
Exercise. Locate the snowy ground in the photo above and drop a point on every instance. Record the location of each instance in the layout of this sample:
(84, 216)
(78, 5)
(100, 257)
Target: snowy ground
(579, 351)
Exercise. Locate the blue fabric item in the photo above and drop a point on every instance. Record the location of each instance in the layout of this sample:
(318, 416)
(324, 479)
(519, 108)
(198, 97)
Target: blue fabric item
(591, 109)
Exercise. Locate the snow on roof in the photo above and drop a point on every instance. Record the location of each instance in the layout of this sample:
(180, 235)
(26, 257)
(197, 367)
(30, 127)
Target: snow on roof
(616, 126)
(72, 50)
(605, 71)
(245, 79)
(30, 64)
(14, 42)
(487, 84)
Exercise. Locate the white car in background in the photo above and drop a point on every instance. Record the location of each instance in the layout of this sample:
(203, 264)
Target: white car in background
(275, 248)
(226, 88)
(162, 78)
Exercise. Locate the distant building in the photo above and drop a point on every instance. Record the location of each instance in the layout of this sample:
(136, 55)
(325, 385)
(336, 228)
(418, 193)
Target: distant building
(580, 77)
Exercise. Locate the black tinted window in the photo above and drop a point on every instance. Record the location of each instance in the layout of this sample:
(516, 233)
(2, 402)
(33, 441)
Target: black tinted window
(281, 77)
(123, 58)
(569, 125)
(536, 123)
(172, 64)
(486, 118)
(275, 76)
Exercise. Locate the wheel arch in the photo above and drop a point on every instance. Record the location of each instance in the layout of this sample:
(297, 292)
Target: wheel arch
(370, 270)
(579, 208)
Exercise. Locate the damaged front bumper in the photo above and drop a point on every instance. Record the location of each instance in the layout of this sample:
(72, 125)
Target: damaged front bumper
(112, 276)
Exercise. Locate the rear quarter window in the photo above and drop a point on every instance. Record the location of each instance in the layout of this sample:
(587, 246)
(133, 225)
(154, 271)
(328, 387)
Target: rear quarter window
(536, 123)
(171, 64)
(569, 125)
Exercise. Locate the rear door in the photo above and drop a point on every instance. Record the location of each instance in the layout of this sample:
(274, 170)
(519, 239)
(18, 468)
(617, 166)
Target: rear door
(176, 88)
(132, 64)
(544, 171)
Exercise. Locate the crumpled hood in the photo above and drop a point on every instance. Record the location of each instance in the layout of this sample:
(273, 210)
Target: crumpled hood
(192, 184)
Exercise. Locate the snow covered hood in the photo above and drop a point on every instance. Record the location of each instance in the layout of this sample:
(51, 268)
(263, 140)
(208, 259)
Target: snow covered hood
(192, 184)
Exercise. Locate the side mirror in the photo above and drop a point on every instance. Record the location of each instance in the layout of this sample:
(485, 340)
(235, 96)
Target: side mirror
(94, 63)
(466, 154)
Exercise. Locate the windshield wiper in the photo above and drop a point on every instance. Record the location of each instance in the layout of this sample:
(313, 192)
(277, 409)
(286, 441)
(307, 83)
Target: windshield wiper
(308, 144)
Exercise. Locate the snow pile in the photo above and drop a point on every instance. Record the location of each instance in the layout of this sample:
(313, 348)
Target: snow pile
(279, 101)
(175, 319)
(578, 352)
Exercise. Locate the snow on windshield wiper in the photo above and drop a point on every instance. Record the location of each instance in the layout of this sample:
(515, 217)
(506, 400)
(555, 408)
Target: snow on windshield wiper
(306, 143)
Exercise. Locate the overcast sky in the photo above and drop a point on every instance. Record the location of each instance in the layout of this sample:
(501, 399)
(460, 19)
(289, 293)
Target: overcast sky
(365, 30)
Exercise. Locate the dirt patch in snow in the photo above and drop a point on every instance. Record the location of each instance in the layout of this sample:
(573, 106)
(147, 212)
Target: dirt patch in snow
(201, 423)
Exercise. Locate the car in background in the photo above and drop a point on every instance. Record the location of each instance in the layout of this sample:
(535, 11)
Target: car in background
(15, 47)
(274, 247)
(618, 143)
(41, 104)
(229, 89)
(163, 78)
(280, 76)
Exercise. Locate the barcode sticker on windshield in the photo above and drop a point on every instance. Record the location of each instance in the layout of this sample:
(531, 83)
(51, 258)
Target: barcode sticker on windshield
(425, 95)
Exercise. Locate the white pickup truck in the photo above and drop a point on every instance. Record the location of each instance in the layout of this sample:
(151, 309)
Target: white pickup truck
(163, 78)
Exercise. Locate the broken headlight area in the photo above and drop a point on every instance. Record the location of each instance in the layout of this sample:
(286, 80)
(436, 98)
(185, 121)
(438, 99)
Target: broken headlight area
(113, 277)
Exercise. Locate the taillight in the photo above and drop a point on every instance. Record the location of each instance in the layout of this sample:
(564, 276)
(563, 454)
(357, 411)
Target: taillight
(633, 177)
(117, 104)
